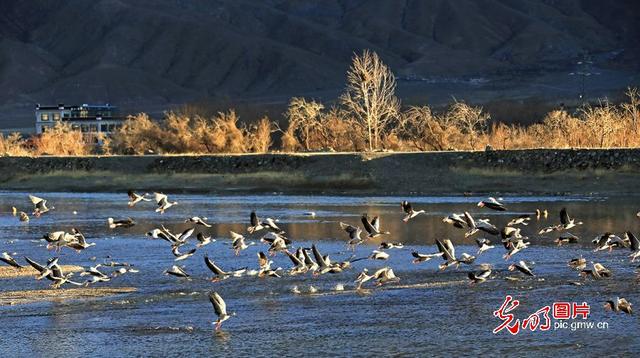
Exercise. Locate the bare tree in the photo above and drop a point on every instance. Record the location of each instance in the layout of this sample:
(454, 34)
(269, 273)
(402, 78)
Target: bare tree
(370, 95)
(471, 121)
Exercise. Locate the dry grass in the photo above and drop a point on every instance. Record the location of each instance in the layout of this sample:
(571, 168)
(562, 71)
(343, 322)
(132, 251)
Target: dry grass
(30, 296)
(12, 272)
(13, 145)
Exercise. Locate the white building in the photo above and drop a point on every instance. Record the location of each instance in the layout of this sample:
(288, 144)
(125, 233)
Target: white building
(90, 119)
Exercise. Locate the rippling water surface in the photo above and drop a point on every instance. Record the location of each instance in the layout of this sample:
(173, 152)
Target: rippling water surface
(429, 312)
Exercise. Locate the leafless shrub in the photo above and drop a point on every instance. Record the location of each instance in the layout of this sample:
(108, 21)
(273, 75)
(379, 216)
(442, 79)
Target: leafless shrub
(61, 139)
(13, 145)
(424, 130)
(470, 121)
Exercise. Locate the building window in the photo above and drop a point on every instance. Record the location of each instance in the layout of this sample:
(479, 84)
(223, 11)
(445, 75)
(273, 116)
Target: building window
(84, 128)
(75, 127)
(44, 116)
(56, 116)
(104, 127)
(44, 128)
(93, 128)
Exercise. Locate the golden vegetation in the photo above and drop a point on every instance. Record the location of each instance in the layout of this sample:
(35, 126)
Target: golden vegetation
(368, 117)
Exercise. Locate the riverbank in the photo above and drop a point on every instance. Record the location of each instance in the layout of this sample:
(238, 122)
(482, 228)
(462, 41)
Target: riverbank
(430, 173)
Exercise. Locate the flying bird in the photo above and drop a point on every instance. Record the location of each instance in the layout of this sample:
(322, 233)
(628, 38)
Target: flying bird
(409, 211)
(492, 204)
(220, 308)
(136, 198)
(163, 202)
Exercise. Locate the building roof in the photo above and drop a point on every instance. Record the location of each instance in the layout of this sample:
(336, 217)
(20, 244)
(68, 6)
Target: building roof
(62, 106)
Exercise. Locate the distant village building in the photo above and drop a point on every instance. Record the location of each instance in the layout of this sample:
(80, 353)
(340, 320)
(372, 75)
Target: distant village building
(90, 119)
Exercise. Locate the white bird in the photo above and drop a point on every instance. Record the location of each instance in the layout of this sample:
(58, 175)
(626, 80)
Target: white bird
(219, 273)
(40, 205)
(163, 202)
(203, 240)
(418, 257)
(125, 223)
(608, 241)
(619, 305)
(257, 224)
(522, 267)
(385, 275)
(520, 220)
(220, 307)
(96, 275)
(298, 262)
(238, 244)
(198, 221)
(177, 271)
(456, 220)
(448, 251)
(390, 245)
(513, 247)
(182, 255)
(409, 211)
(354, 235)
(372, 227)
(492, 204)
(379, 255)
(566, 221)
(362, 278)
(136, 198)
(483, 245)
(479, 277)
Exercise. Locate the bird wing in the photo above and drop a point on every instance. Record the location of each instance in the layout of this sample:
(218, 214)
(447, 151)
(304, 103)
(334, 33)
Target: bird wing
(34, 264)
(254, 219)
(219, 306)
(235, 236)
(564, 217)
(469, 220)
(442, 247)
(35, 200)
(451, 248)
(213, 267)
(296, 261)
(318, 256)
(376, 223)
(161, 199)
(367, 225)
(185, 234)
(635, 243)
(272, 224)
(348, 228)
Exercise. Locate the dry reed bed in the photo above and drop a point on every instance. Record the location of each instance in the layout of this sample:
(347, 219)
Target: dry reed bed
(12, 272)
(30, 296)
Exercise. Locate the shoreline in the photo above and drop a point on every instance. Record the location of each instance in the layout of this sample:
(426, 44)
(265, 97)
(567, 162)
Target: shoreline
(529, 172)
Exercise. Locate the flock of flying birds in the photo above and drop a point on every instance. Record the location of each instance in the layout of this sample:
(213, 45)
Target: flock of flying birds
(311, 260)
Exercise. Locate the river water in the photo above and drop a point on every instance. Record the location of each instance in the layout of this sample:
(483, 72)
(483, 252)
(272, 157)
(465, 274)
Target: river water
(428, 312)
